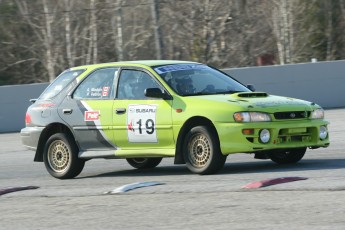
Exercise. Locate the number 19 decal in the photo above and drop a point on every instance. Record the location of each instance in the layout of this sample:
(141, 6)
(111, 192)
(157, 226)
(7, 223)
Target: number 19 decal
(141, 123)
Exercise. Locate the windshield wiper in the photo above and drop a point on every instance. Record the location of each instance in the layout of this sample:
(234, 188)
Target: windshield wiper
(229, 92)
(198, 94)
(211, 93)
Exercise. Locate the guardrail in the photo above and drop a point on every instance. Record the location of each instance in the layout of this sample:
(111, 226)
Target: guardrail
(14, 100)
(320, 82)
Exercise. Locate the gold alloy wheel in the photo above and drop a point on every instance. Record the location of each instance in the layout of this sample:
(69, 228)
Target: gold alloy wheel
(199, 149)
(58, 156)
(139, 160)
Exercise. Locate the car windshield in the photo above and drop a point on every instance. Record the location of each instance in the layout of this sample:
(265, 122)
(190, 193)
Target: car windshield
(198, 79)
(60, 83)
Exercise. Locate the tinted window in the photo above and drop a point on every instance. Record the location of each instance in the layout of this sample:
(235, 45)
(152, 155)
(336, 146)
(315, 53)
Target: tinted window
(132, 84)
(60, 83)
(98, 85)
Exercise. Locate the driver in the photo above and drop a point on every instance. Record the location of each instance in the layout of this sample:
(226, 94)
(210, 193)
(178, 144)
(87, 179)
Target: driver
(184, 85)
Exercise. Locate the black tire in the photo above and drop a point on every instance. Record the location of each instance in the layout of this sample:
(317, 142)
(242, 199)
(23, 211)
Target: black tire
(287, 156)
(60, 157)
(144, 163)
(201, 151)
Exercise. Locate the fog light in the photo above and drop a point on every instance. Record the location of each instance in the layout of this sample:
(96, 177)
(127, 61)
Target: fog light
(323, 132)
(265, 136)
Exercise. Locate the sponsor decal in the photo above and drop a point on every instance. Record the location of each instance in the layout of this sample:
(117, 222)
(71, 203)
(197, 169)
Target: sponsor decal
(147, 110)
(105, 91)
(278, 103)
(178, 67)
(91, 115)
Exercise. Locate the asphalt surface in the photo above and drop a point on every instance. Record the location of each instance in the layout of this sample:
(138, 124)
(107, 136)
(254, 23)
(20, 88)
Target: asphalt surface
(185, 200)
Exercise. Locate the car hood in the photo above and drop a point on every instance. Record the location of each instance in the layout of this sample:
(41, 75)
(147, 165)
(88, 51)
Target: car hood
(260, 101)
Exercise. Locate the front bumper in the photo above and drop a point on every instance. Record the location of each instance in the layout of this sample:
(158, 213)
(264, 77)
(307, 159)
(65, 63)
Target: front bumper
(30, 136)
(283, 135)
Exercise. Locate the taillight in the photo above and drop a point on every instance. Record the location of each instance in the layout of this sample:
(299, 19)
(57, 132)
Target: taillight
(27, 118)
(46, 105)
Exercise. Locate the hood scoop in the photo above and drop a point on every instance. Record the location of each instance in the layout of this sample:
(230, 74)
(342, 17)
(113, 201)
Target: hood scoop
(252, 94)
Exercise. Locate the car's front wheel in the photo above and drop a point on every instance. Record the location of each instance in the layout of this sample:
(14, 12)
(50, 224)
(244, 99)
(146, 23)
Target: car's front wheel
(144, 163)
(201, 151)
(287, 156)
(60, 157)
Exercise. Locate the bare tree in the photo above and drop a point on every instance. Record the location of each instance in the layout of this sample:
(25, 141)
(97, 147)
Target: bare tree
(42, 27)
(225, 33)
(116, 19)
(329, 30)
(119, 29)
(156, 28)
(70, 55)
(93, 47)
(282, 27)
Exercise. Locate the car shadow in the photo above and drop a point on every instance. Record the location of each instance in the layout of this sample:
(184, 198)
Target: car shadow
(269, 166)
(265, 166)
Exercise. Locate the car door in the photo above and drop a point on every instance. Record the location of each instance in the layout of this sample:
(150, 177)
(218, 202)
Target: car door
(89, 111)
(141, 122)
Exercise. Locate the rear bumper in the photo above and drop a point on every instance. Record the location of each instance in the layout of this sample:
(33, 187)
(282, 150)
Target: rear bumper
(30, 137)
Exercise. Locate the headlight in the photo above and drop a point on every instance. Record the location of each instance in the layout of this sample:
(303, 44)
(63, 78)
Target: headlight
(317, 114)
(251, 117)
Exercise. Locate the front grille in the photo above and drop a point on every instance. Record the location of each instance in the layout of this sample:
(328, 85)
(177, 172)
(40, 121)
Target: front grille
(291, 115)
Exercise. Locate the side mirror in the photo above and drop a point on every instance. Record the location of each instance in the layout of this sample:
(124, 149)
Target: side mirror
(251, 87)
(157, 93)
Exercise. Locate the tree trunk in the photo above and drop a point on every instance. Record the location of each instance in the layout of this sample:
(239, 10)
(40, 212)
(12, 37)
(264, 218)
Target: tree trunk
(69, 53)
(93, 31)
(206, 31)
(284, 9)
(157, 30)
(329, 30)
(48, 41)
(282, 27)
(119, 40)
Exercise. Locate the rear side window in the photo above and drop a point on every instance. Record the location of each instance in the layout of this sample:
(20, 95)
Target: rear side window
(98, 85)
(60, 83)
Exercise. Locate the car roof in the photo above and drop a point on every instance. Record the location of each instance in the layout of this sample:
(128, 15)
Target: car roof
(148, 63)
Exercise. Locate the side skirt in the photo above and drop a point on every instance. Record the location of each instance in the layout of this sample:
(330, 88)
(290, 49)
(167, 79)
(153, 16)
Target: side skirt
(128, 153)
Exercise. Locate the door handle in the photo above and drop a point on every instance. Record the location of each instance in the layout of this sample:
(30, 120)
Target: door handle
(120, 110)
(67, 111)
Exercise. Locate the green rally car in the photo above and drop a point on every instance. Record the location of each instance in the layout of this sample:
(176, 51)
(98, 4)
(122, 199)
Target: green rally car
(143, 111)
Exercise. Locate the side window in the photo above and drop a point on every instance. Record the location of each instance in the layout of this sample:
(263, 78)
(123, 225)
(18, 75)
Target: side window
(132, 84)
(98, 85)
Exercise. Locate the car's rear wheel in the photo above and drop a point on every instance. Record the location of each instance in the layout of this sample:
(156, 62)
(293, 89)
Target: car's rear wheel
(201, 151)
(144, 163)
(287, 156)
(60, 157)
